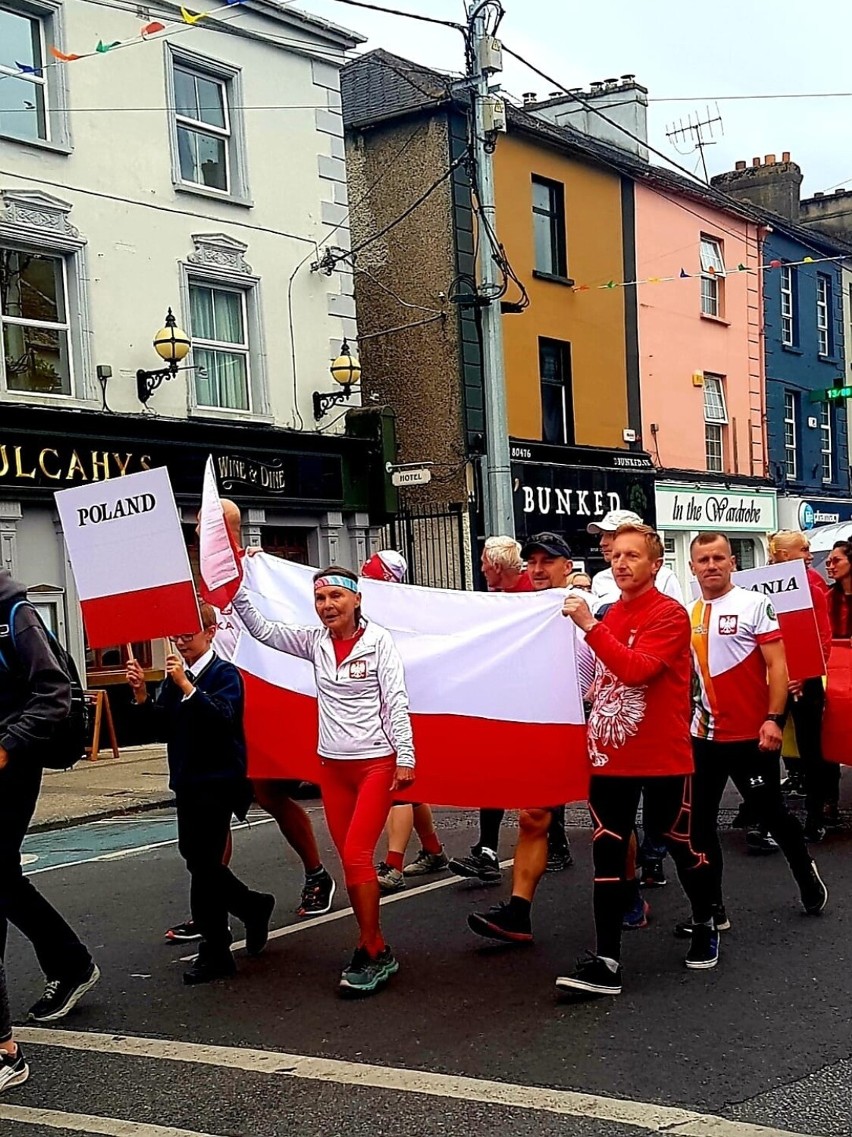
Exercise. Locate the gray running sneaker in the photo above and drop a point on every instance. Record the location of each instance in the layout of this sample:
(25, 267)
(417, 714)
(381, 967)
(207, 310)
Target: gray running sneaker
(390, 880)
(426, 863)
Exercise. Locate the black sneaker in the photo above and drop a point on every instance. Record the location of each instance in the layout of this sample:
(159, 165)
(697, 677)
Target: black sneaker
(703, 952)
(14, 1070)
(814, 832)
(653, 875)
(501, 923)
(61, 995)
(184, 933)
(592, 976)
(683, 931)
(760, 844)
(366, 973)
(257, 927)
(317, 895)
(559, 859)
(813, 892)
(796, 787)
(209, 966)
(481, 866)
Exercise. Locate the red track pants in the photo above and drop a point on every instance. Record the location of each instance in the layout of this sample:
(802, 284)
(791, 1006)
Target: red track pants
(356, 794)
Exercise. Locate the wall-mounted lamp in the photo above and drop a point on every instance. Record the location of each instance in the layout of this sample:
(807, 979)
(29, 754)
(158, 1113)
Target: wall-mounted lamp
(345, 370)
(172, 345)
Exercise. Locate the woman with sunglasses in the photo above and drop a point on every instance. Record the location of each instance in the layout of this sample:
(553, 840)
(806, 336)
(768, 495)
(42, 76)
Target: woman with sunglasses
(839, 568)
(365, 744)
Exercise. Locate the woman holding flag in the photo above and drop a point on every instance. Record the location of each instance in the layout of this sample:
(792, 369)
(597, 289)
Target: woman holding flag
(365, 746)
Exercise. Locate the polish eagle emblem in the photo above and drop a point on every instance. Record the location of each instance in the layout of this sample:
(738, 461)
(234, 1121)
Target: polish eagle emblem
(616, 714)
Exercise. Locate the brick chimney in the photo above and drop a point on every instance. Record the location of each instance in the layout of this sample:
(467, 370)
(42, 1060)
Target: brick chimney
(769, 184)
(623, 100)
(829, 213)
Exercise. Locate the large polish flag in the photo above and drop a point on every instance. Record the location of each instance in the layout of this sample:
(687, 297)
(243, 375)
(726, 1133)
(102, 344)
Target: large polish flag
(492, 680)
(129, 558)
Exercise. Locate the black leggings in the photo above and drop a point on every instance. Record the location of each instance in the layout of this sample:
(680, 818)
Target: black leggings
(757, 775)
(822, 779)
(490, 821)
(613, 803)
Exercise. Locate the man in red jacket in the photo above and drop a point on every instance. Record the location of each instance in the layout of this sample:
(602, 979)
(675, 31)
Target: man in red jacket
(807, 697)
(639, 744)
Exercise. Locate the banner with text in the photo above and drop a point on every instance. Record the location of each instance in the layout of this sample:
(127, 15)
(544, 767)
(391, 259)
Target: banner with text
(129, 559)
(787, 587)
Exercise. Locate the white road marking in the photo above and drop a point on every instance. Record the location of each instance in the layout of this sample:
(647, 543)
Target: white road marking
(315, 921)
(136, 850)
(88, 1123)
(672, 1121)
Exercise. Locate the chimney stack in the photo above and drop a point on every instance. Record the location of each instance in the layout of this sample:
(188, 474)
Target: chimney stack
(529, 97)
(623, 100)
(770, 184)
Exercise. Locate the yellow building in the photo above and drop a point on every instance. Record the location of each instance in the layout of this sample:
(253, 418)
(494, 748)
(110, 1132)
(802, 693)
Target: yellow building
(560, 220)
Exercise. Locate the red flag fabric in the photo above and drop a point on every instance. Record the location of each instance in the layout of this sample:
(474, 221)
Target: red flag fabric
(837, 721)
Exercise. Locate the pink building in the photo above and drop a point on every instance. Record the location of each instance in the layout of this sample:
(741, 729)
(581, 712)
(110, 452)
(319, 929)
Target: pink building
(702, 369)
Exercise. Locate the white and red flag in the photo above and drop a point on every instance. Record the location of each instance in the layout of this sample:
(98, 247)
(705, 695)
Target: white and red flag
(492, 678)
(786, 586)
(129, 558)
(221, 570)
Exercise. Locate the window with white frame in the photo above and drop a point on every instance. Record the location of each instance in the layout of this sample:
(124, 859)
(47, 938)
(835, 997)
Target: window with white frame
(823, 311)
(712, 277)
(791, 435)
(207, 136)
(220, 346)
(715, 422)
(203, 129)
(826, 443)
(33, 93)
(788, 306)
(23, 86)
(34, 322)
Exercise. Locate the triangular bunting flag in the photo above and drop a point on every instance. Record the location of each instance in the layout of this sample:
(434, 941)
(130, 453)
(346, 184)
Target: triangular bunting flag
(152, 29)
(104, 47)
(192, 17)
(62, 56)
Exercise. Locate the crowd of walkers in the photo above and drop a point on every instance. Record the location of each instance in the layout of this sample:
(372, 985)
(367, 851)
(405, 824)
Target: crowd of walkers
(682, 696)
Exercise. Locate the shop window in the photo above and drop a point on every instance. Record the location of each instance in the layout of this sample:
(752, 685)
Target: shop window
(827, 443)
(743, 549)
(106, 665)
(289, 543)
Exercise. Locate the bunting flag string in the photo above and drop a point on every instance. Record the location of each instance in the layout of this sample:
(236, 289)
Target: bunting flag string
(146, 32)
(609, 285)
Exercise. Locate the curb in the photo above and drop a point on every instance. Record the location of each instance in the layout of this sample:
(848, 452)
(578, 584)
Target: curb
(100, 815)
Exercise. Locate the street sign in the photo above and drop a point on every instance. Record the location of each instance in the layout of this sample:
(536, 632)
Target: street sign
(829, 394)
(417, 477)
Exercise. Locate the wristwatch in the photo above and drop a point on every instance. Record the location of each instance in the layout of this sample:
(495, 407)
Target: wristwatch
(779, 720)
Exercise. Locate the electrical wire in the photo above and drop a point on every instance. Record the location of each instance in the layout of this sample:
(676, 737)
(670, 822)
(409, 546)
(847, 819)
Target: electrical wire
(405, 303)
(402, 327)
(722, 199)
(408, 15)
(749, 98)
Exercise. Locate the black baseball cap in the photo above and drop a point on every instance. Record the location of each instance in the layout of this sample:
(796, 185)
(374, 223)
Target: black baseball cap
(551, 543)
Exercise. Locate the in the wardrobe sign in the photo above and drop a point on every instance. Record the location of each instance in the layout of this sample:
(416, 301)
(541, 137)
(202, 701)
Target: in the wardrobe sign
(730, 509)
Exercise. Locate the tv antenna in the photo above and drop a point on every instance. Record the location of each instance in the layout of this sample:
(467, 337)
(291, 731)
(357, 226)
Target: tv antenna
(697, 131)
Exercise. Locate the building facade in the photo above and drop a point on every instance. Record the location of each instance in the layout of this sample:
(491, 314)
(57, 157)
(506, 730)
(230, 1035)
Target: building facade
(95, 248)
(805, 343)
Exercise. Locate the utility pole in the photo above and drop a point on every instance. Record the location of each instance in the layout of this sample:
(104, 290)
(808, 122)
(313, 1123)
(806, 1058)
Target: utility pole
(489, 118)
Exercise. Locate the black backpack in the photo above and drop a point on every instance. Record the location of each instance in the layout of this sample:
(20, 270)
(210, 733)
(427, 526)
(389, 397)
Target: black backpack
(68, 744)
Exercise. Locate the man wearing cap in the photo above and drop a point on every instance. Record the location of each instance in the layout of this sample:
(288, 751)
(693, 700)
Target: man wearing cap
(604, 588)
(542, 845)
(386, 564)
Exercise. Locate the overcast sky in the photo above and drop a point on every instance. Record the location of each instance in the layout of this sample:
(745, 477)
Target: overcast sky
(734, 47)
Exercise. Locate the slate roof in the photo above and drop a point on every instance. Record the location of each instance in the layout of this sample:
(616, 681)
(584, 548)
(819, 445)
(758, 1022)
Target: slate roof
(380, 86)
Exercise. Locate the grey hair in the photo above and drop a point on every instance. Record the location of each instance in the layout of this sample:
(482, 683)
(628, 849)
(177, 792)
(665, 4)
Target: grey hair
(504, 553)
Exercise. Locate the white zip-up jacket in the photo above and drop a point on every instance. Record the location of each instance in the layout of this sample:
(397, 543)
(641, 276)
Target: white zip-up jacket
(363, 703)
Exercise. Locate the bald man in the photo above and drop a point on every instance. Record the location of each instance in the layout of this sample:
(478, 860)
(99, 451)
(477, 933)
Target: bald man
(275, 796)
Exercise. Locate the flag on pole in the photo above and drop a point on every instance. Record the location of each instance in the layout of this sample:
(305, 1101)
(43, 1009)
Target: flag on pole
(221, 571)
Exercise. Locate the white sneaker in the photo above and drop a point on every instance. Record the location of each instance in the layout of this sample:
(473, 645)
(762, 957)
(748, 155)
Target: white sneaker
(390, 880)
(14, 1070)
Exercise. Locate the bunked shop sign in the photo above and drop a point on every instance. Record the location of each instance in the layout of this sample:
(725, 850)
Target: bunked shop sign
(565, 496)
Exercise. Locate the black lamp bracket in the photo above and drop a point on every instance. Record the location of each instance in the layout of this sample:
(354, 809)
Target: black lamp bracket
(322, 402)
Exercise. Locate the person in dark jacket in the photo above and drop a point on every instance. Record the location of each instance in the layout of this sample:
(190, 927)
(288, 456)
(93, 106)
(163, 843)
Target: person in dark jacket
(35, 696)
(198, 712)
